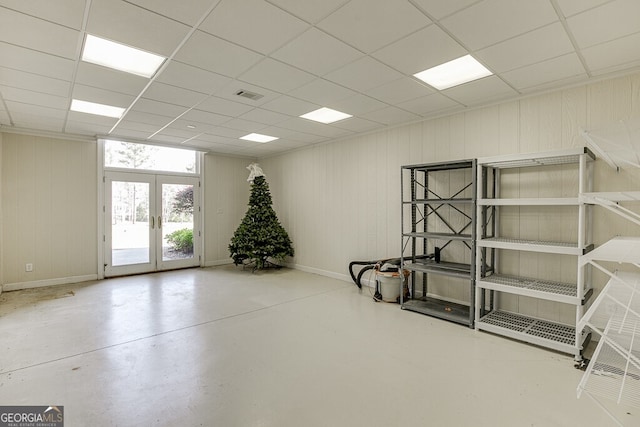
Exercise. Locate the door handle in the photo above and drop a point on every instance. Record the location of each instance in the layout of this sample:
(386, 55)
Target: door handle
(153, 222)
(159, 222)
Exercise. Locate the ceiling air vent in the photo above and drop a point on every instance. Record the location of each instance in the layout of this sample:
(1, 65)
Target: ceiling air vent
(251, 95)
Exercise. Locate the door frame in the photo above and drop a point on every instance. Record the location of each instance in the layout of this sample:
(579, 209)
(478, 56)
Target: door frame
(109, 269)
(101, 207)
(161, 264)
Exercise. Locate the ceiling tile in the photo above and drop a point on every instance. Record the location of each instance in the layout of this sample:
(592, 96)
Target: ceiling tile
(170, 139)
(364, 74)
(36, 98)
(244, 125)
(158, 108)
(19, 109)
(178, 132)
(545, 72)
(154, 120)
(293, 135)
(317, 56)
(227, 132)
(290, 106)
(272, 147)
(68, 13)
(484, 90)
(357, 105)
(82, 128)
(400, 90)
(101, 96)
(242, 144)
(493, 21)
(421, 50)
(427, 105)
(538, 45)
(314, 128)
(91, 119)
(356, 124)
(38, 122)
(593, 26)
(572, 7)
(26, 31)
(191, 126)
(173, 95)
(213, 146)
(309, 10)
(106, 78)
(254, 24)
(276, 76)
(34, 82)
(129, 134)
(206, 117)
(368, 26)
(222, 106)
(192, 78)
(217, 139)
(265, 116)
(612, 56)
(185, 11)
(317, 52)
(322, 92)
(145, 128)
(438, 9)
(229, 59)
(129, 24)
(24, 59)
(390, 116)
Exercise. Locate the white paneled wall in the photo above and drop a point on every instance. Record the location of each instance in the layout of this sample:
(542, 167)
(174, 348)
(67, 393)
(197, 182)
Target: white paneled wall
(340, 201)
(48, 210)
(226, 198)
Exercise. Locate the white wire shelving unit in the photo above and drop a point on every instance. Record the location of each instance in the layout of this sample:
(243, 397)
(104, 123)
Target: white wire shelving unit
(491, 282)
(614, 370)
(617, 144)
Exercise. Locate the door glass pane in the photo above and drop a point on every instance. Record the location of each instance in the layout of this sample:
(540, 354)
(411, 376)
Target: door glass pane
(129, 223)
(177, 221)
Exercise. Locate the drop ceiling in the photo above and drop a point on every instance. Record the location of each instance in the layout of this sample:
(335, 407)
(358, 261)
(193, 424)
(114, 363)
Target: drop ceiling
(355, 56)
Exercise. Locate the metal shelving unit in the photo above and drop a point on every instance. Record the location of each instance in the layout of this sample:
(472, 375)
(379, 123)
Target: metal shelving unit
(492, 282)
(438, 224)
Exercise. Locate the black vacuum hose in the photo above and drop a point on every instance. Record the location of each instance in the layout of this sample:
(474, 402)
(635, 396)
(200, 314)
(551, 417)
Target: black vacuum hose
(368, 265)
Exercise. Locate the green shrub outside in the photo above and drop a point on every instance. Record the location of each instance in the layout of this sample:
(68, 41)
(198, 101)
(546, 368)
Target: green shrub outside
(181, 240)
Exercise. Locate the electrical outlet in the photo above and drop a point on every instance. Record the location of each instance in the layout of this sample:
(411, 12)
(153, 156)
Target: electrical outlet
(28, 267)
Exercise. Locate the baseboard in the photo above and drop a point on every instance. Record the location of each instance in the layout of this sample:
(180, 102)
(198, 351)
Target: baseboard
(217, 262)
(326, 273)
(48, 282)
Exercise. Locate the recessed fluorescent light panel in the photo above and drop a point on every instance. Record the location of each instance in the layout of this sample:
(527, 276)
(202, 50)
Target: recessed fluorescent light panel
(120, 57)
(256, 137)
(326, 115)
(454, 73)
(97, 109)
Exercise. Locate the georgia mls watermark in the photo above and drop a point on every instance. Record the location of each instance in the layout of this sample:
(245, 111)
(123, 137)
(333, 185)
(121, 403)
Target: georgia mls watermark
(31, 416)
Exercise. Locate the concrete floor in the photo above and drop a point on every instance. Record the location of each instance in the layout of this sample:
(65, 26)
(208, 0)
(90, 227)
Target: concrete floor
(224, 347)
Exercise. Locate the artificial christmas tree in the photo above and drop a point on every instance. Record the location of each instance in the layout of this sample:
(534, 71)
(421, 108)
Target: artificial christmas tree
(260, 236)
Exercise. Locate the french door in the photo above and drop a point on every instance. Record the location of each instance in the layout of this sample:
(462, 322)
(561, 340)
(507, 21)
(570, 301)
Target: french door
(151, 222)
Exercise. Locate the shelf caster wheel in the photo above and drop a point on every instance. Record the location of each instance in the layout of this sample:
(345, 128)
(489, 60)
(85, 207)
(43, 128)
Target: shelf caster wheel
(581, 364)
